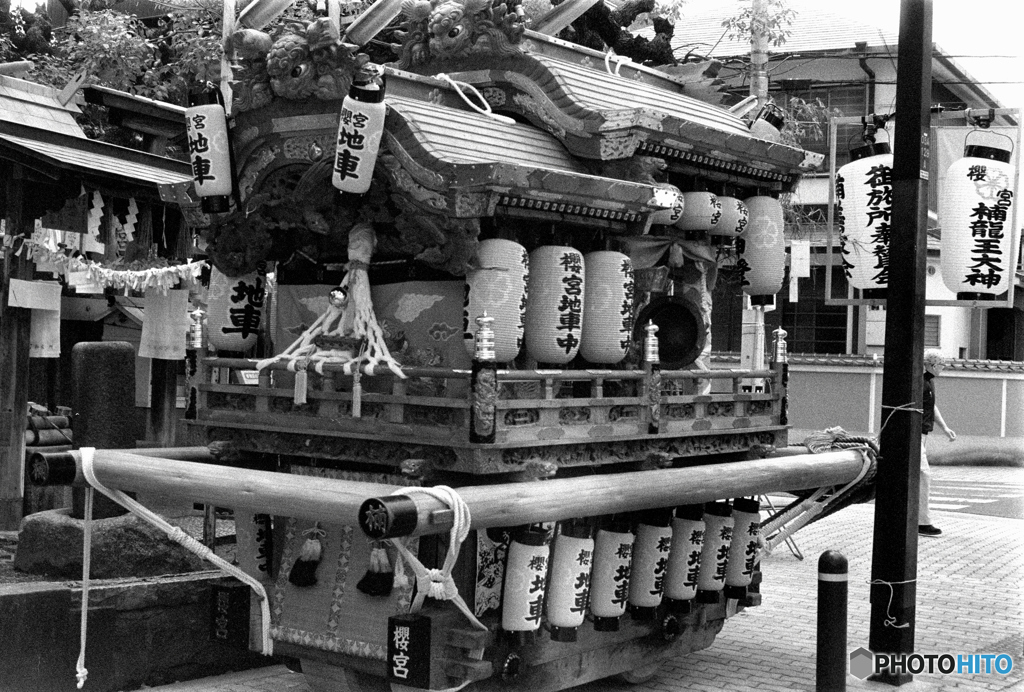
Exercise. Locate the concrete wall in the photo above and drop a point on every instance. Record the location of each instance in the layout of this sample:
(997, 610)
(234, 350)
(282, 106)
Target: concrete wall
(986, 403)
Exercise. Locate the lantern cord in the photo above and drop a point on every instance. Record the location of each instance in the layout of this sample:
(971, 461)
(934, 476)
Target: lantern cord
(438, 583)
(894, 409)
(890, 621)
(178, 536)
(485, 110)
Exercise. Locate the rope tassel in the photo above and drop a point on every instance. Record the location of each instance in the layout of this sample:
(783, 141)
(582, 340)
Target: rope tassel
(379, 578)
(303, 572)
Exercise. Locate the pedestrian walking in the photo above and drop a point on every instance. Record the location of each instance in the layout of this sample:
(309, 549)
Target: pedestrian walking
(934, 363)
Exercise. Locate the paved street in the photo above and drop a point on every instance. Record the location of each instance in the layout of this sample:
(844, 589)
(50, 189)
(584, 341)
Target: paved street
(969, 601)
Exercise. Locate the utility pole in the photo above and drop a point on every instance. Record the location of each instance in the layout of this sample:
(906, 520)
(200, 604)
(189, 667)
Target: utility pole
(894, 557)
(752, 335)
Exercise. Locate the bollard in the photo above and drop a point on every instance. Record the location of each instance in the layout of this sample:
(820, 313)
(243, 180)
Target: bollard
(832, 594)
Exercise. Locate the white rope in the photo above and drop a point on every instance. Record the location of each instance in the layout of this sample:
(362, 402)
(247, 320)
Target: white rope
(486, 110)
(81, 673)
(619, 61)
(438, 583)
(178, 536)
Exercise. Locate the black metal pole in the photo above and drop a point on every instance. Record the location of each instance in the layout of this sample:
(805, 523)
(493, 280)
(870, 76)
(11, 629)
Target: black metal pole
(894, 558)
(833, 590)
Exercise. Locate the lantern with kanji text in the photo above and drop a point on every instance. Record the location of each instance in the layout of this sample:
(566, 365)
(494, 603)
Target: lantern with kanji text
(976, 213)
(360, 128)
(209, 149)
(235, 310)
(863, 191)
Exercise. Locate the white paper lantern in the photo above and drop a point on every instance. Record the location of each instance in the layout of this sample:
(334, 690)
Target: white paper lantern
(761, 248)
(976, 213)
(522, 600)
(360, 127)
(650, 558)
(499, 288)
(714, 557)
(684, 560)
(670, 197)
(608, 309)
(735, 217)
(554, 306)
(209, 150)
(569, 584)
(235, 310)
(701, 212)
(609, 588)
(864, 199)
(743, 551)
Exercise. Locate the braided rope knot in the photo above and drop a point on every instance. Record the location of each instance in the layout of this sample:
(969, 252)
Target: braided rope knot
(442, 586)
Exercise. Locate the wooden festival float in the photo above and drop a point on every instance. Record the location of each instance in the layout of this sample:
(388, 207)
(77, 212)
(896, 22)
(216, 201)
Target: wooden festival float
(484, 444)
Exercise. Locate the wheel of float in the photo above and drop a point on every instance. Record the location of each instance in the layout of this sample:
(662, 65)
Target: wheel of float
(640, 674)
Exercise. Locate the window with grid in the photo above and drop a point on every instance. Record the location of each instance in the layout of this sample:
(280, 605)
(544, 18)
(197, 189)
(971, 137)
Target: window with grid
(813, 326)
(848, 100)
(932, 331)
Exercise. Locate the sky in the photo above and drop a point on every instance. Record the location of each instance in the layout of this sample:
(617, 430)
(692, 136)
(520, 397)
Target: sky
(983, 37)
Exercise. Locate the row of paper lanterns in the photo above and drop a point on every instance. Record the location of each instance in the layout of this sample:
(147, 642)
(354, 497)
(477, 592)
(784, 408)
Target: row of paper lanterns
(976, 213)
(757, 224)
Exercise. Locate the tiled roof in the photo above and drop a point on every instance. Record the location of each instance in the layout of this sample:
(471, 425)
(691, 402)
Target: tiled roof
(35, 105)
(814, 28)
(971, 364)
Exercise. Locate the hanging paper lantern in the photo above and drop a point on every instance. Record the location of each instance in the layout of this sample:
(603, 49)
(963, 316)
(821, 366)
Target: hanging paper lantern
(608, 309)
(569, 590)
(209, 149)
(554, 306)
(746, 515)
(669, 197)
(761, 248)
(735, 216)
(499, 288)
(864, 200)
(360, 127)
(684, 560)
(165, 324)
(235, 310)
(714, 556)
(650, 557)
(609, 583)
(701, 212)
(976, 212)
(522, 600)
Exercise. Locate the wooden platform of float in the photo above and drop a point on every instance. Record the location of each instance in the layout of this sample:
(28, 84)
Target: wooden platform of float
(559, 418)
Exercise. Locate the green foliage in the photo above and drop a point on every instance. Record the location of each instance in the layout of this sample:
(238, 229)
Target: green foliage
(119, 51)
(806, 121)
(772, 22)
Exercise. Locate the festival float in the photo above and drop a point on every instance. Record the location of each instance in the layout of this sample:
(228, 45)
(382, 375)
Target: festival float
(481, 442)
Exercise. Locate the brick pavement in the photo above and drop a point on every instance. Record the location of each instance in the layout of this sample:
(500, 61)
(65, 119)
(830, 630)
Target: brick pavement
(969, 601)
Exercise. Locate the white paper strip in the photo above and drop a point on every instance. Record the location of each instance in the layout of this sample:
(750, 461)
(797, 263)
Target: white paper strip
(44, 334)
(37, 295)
(800, 258)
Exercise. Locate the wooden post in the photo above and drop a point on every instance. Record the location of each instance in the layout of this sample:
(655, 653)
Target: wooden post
(15, 324)
(894, 558)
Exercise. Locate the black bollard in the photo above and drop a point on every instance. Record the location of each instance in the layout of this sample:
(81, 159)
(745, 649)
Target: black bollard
(833, 586)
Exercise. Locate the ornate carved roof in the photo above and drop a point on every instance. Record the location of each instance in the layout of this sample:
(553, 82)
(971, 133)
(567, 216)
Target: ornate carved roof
(472, 164)
(599, 115)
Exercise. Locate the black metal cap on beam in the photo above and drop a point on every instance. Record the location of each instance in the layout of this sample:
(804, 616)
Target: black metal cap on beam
(52, 468)
(388, 517)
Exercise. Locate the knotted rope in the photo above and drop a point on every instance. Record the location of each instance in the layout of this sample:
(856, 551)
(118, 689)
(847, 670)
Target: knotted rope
(438, 583)
(175, 533)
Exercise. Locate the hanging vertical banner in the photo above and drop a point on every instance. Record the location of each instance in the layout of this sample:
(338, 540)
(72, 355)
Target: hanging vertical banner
(44, 334)
(165, 325)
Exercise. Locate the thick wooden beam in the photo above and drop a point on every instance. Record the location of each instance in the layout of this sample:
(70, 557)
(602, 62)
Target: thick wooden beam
(15, 325)
(506, 504)
(894, 558)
